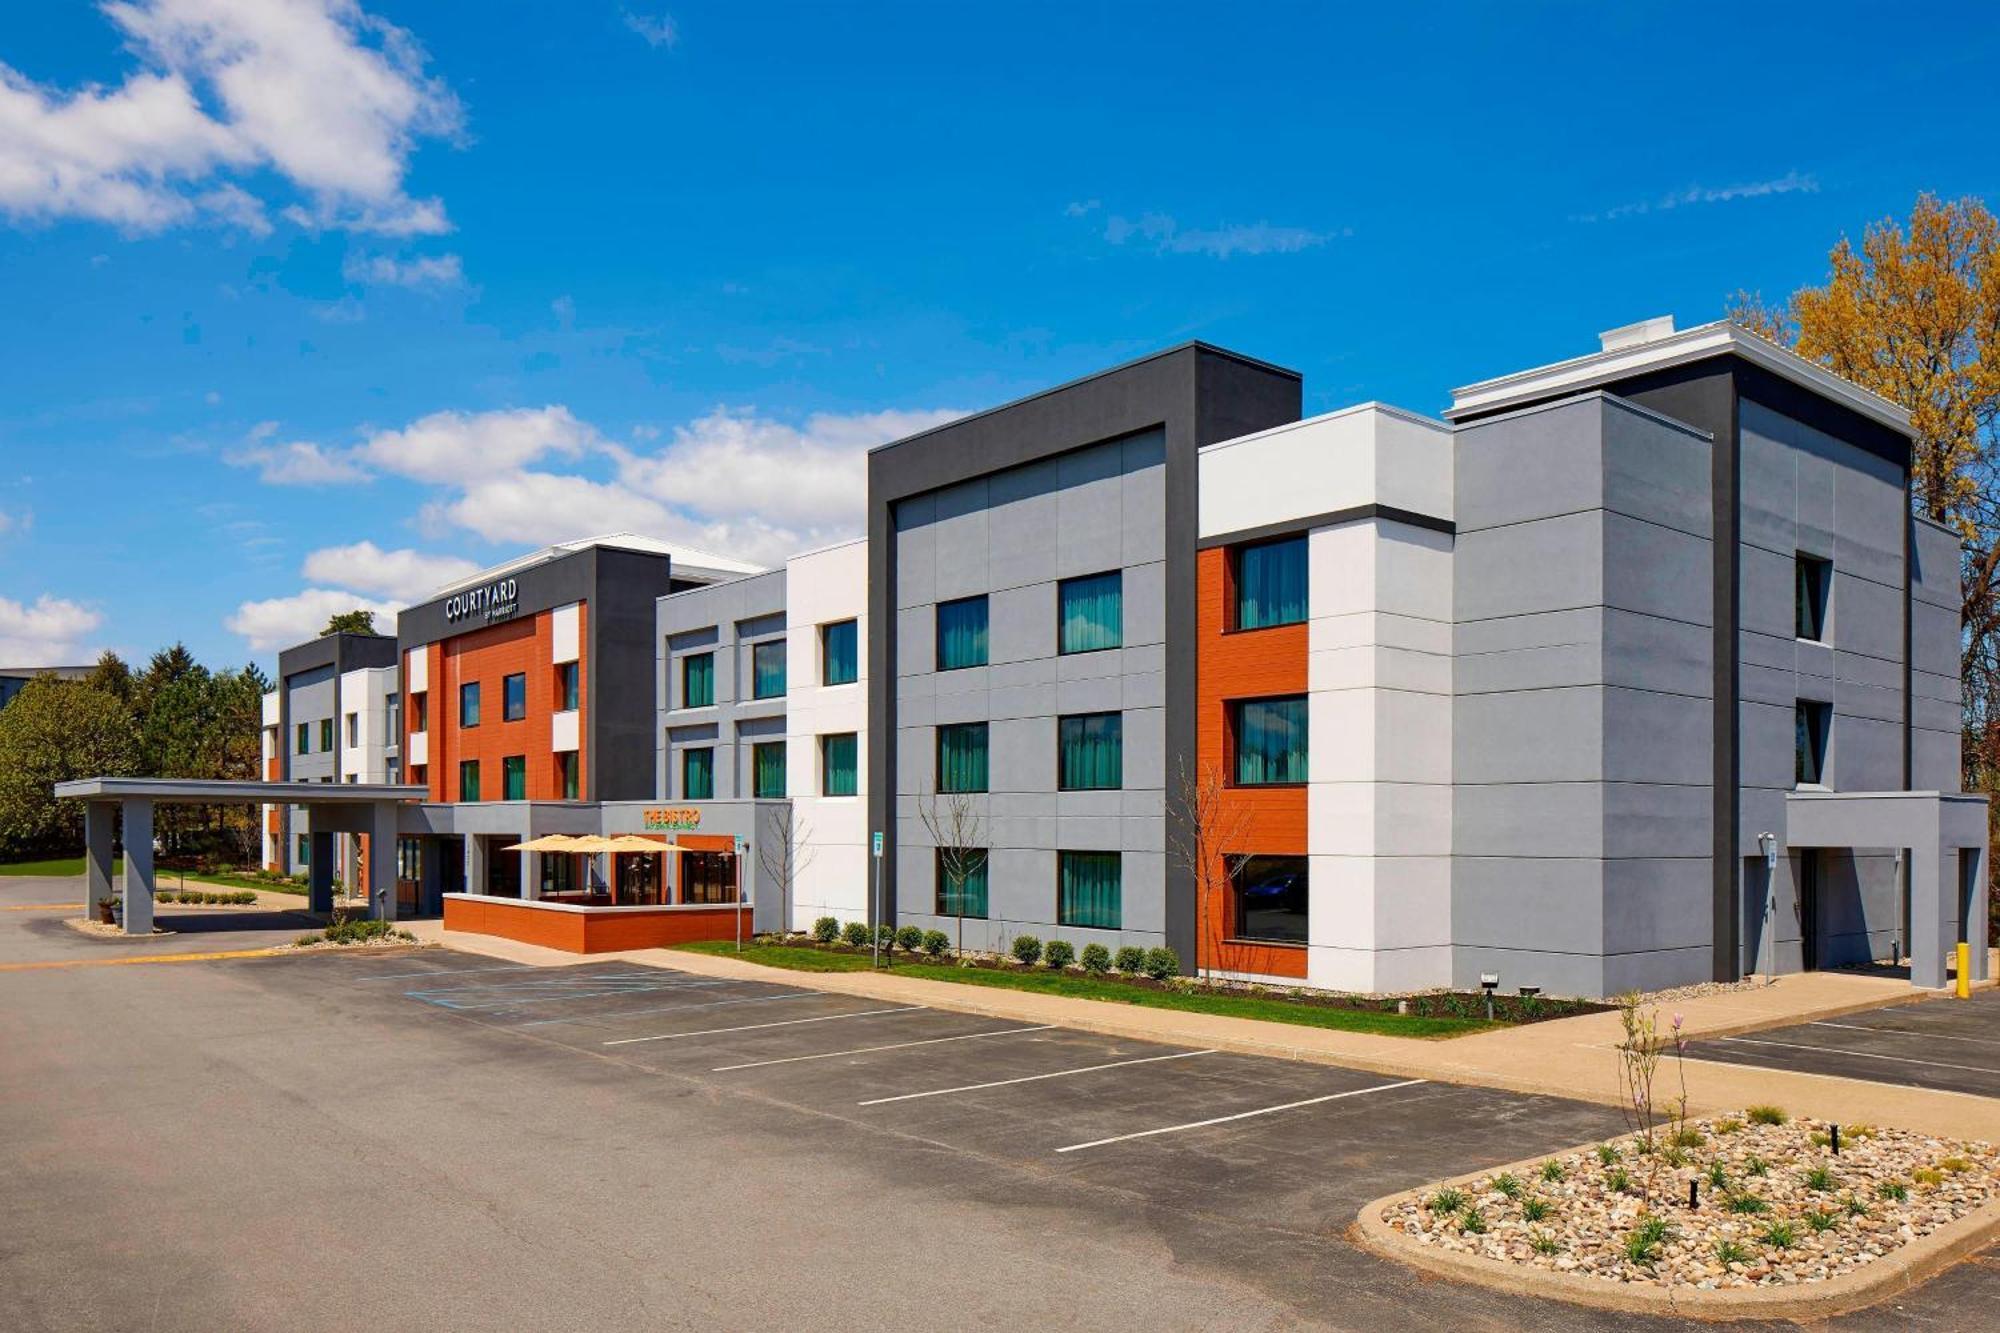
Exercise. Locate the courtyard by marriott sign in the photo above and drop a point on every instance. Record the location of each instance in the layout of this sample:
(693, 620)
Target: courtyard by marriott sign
(678, 817)
(494, 601)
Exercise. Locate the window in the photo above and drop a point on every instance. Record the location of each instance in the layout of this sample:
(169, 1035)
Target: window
(420, 711)
(353, 730)
(558, 875)
(698, 774)
(326, 733)
(961, 634)
(468, 704)
(967, 898)
(839, 653)
(707, 877)
(1270, 737)
(514, 778)
(420, 774)
(698, 680)
(767, 669)
(468, 779)
(961, 757)
(514, 697)
(305, 738)
(1271, 583)
(305, 855)
(767, 771)
(393, 705)
(1088, 889)
(1090, 613)
(1270, 899)
(837, 763)
(1090, 752)
(1812, 577)
(393, 771)
(569, 774)
(1810, 723)
(566, 686)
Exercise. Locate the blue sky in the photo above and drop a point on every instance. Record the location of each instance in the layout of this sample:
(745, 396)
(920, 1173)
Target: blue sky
(313, 302)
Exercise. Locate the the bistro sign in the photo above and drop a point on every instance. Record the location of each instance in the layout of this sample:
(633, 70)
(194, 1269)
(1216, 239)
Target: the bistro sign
(493, 601)
(676, 817)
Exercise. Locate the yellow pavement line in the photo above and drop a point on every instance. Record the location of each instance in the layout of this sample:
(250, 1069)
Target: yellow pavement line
(142, 958)
(36, 907)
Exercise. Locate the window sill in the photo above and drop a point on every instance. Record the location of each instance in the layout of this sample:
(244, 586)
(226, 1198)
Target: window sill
(1265, 944)
(1267, 786)
(1258, 629)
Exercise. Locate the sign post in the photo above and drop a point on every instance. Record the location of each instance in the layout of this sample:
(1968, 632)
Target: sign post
(738, 858)
(875, 935)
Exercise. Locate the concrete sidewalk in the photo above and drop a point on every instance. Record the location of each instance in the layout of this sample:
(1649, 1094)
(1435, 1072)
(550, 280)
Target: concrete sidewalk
(1570, 1057)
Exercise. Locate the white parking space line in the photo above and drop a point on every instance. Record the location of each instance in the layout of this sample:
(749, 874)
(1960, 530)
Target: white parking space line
(1907, 1032)
(752, 1027)
(1032, 1078)
(1860, 1055)
(450, 972)
(1240, 1115)
(617, 980)
(515, 1002)
(865, 1050)
(668, 1009)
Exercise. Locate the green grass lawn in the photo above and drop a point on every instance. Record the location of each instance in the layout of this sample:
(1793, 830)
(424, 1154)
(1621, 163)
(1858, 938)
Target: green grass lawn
(61, 865)
(163, 879)
(231, 881)
(1078, 986)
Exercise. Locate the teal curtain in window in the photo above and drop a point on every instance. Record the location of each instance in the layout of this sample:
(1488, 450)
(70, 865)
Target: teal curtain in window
(514, 778)
(767, 762)
(767, 669)
(1271, 584)
(840, 658)
(468, 780)
(1091, 752)
(1270, 741)
(1088, 890)
(970, 898)
(1092, 613)
(698, 680)
(468, 705)
(698, 774)
(961, 757)
(961, 634)
(837, 765)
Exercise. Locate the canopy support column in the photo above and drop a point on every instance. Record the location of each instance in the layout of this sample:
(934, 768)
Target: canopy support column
(138, 866)
(382, 861)
(100, 819)
(319, 871)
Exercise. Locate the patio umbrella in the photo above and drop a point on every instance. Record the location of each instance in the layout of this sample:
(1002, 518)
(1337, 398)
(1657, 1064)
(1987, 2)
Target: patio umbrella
(548, 842)
(632, 842)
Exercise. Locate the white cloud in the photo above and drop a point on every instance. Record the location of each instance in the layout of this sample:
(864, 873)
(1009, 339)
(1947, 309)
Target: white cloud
(319, 92)
(1077, 208)
(280, 622)
(402, 573)
(454, 447)
(20, 521)
(1792, 182)
(656, 30)
(536, 508)
(48, 632)
(297, 463)
(1256, 238)
(422, 271)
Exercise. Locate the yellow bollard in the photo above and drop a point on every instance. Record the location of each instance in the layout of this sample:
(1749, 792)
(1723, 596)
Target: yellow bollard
(1964, 970)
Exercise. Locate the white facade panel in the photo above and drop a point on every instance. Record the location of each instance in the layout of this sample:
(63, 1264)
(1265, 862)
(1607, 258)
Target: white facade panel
(562, 731)
(565, 635)
(1366, 455)
(823, 588)
(417, 670)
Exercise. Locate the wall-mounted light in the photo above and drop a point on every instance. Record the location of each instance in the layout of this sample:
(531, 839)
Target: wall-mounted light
(1768, 844)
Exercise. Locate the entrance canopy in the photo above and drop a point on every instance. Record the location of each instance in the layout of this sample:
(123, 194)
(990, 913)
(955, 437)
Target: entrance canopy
(332, 807)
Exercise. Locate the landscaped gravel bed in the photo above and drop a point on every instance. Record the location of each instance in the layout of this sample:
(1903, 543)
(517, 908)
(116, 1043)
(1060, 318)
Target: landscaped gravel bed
(1776, 1205)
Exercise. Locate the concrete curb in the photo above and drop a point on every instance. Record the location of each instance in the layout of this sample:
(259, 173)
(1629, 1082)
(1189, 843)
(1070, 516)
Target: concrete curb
(1897, 1271)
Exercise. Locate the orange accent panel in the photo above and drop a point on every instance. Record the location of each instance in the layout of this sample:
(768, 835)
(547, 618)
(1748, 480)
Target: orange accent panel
(706, 842)
(1243, 665)
(594, 932)
(489, 655)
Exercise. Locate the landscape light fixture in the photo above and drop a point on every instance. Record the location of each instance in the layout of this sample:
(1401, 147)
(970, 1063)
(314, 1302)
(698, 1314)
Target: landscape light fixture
(1489, 982)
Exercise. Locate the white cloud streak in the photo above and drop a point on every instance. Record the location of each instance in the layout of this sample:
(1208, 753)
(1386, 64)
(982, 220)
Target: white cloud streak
(656, 30)
(280, 622)
(1792, 182)
(1168, 237)
(433, 271)
(406, 574)
(46, 632)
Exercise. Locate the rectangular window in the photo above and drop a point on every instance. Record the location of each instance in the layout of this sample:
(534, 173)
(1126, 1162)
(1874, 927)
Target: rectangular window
(514, 697)
(468, 704)
(468, 779)
(961, 757)
(1811, 721)
(326, 734)
(839, 653)
(698, 774)
(514, 778)
(1088, 890)
(767, 669)
(305, 855)
(767, 771)
(1812, 578)
(838, 774)
(420, 774)
(1271, 899)
(1090, 752)
(1271, 583)
(1090, 613)
(393, 724)
(961, 633)
(567, 683)
(569, 773)
(707, 877)
(1270, 737)
(961, 882)
(305, 738)
(393, 771)
(353, 730)
(420, 711)
(698, 680)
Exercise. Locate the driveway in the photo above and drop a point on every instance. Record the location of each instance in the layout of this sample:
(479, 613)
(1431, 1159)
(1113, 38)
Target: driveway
(1951, 1045)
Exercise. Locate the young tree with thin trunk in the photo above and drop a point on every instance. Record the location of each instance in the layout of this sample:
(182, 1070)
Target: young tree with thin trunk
(1205, 832)
(785, 850)
(957, 828)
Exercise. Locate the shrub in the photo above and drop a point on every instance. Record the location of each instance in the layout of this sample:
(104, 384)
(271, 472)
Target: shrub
(885, 935)
(1643, 1241)
(1781, 1235)
(1956, 1164)
(1508, 1184)
(1617, 1181)
(1096, 959)
(1727, 1125)
(1728, 1252)
(1821, 1221)
(1755, 1166)
(854, 934)
(1854, 1207)
(910, 939)
(1688, 1138)
(1027, 950)
(826, 930)
(1553, 1171)
(1717, 1177)
(1130, 960)
(1747, 1204)
(1820, 1180)
(1893, 1190)
(1534, 1210)
(1447, 1200)
(936, 942)
(1926, 1175)
(1472, 1221)
(1607, 1153)
(1162, 962)
(1059, 954)
(1767, 1115)
(1541, 1242)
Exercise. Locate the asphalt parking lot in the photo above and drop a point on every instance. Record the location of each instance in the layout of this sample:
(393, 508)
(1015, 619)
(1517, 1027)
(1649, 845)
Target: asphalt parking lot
(1947, 1044)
